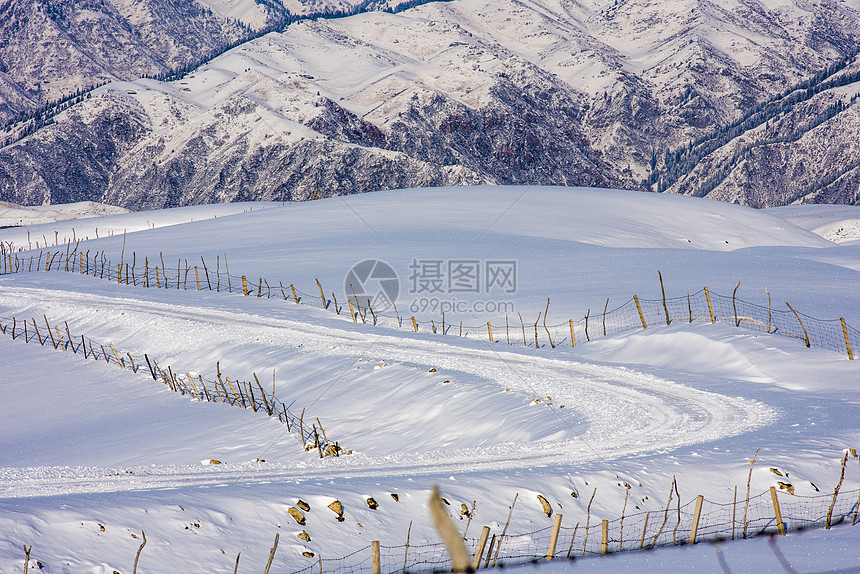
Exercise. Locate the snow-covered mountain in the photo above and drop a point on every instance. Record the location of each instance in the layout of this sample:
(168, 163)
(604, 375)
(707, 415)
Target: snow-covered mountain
(741, 101)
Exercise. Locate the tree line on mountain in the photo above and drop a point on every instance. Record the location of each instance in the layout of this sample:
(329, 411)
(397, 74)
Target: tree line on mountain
(681, 161)
(35, 119)
(31, 121)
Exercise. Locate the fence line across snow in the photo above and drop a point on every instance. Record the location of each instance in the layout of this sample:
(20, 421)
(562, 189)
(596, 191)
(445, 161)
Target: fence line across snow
(698, 520)
(221, 389)
(635, 313)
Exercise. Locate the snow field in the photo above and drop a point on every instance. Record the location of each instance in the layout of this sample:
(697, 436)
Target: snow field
(693, 401)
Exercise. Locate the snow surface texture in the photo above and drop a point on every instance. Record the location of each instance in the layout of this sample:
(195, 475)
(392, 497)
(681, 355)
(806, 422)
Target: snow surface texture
(90, 454)
(12, 215)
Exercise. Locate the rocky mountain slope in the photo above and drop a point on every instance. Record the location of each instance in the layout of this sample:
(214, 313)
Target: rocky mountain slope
(51, 49)
(750, 101)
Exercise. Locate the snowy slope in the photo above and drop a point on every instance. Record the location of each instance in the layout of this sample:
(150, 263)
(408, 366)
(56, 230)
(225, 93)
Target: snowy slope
(690, 400)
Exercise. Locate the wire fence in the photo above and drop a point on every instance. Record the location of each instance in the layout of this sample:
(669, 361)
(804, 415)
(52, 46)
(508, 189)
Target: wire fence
(636, 313)
(677, 524)
(222, 389)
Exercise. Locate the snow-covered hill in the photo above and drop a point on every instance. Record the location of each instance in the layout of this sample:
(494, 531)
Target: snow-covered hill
(91, 454)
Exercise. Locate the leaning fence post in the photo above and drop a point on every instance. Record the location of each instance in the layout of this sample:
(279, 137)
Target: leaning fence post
(553, 537)
(641, 315)
(604, 537)
(779, 524)
(697, 514)
(295, 297)
(414, 324)
(115, 354)
(836, 492)
(847, 340)
(322, 295)
(272, 553)
(663, 291)
(796, 316)
(151, 370)
(206, 271)
(710, 307)
(479, 551)
(490, 332)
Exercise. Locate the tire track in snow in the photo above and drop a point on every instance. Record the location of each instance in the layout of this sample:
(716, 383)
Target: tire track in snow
(626, 412)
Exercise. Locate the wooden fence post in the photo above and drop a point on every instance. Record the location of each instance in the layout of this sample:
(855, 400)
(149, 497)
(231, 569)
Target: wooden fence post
(139, 550)
(604, 537)
(697, 514)
(351, 310)
(272, 553)
(490, 332)
(479, 551)
(295, 297)
(847, 340)
(769, 315)
(377, 566)
(605, 307)
(641, 315)
(779, 524)
(644, 528)
(553, 537)
(710, 307)
(197, 275)
(689, 308)
(414, 324)
(245, 285)
(322, 294)
(796, 316)
(572, 337)
(836, 493)
(116, 355)
(663, 291)
(206, 271)
(735, 304)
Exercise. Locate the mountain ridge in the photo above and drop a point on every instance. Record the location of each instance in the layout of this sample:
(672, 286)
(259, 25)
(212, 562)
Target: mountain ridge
(636, 95)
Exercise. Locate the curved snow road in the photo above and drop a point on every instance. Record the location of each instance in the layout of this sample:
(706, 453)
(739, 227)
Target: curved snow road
(612, 412)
